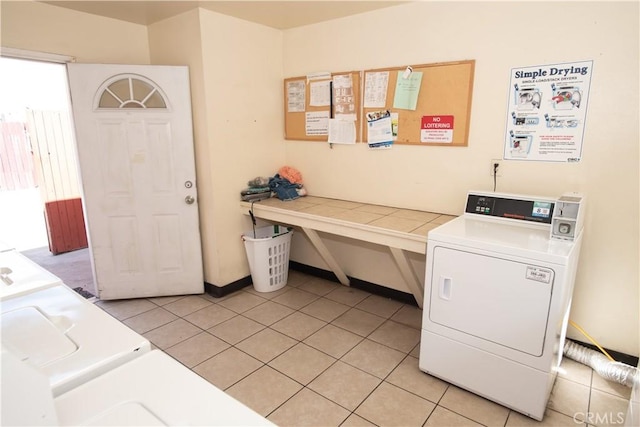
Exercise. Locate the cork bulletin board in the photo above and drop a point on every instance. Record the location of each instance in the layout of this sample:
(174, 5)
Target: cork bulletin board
(445, 94)
(297, 111)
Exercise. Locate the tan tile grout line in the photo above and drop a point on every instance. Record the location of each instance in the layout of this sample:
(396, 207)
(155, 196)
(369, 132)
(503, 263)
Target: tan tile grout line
(362, 338)
(302, 342)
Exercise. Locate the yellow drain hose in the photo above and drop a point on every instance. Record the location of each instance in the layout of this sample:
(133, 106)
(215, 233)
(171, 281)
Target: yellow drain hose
(575, 325)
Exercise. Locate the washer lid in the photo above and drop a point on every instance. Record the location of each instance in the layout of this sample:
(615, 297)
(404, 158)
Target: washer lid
(159, 388)
(126, 414)
(60, 314)
(34, 337)
(4, 246)
(19, 275)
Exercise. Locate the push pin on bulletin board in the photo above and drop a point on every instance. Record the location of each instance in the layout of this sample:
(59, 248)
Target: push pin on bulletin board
(407, 72)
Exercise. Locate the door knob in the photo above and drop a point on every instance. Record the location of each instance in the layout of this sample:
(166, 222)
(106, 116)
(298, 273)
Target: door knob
(189, 200)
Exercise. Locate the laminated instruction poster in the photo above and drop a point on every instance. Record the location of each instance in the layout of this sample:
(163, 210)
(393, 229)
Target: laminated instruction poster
(547, 112)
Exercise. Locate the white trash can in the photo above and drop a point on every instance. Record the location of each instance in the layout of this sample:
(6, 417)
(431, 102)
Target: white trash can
(268, 254)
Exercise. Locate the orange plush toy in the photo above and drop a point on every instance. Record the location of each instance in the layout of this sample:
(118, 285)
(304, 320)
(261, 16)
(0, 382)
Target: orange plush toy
(290, 174)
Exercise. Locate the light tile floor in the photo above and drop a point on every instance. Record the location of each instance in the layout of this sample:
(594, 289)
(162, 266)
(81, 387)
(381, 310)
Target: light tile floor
(316, 353)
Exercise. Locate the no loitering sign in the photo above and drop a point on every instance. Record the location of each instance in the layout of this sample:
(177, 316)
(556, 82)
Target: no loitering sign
(437, 129)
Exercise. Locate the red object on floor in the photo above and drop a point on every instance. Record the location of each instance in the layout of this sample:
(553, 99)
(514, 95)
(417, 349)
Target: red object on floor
(65, 225)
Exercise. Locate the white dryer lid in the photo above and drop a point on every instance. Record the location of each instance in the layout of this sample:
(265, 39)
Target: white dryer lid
(523, 240)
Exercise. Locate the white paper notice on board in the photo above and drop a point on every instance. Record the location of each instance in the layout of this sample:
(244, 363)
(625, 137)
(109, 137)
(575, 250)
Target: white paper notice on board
(344, 100)
(317, 123)
(320, 93)
(375, 89)
(547, 110)
(295, 96)
(342, 131)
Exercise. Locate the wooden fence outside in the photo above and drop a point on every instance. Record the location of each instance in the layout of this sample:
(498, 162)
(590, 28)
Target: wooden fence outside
(41, 153)
(54, 154)
(18, 171)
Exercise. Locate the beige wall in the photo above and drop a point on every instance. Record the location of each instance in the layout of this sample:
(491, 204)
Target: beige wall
(242, 64)
(236, 73)
(509, 34)
(43, 28)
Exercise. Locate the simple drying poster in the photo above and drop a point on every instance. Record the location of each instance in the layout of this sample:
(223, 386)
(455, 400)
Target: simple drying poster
(547, 112)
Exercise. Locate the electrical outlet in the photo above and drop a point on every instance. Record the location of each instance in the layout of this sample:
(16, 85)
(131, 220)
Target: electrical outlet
(493, 168)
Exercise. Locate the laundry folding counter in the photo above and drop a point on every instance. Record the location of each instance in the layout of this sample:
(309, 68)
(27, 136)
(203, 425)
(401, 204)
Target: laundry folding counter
(401, 230)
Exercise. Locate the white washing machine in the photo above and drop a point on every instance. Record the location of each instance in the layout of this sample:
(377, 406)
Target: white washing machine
(26, 394)
(19, 275)
(67, 337)
(154, 389)
(498, 290)
(151, 390)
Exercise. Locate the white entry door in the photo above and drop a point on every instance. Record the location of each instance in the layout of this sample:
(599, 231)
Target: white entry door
(135, 146)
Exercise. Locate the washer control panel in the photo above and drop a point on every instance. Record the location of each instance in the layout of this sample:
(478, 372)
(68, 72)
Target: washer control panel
(512, 207)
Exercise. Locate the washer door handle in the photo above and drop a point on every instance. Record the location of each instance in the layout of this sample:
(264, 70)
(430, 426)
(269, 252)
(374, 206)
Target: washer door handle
(445, 288)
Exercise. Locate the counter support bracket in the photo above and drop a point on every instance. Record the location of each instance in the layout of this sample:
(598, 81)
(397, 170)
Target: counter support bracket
(317, 243)
(408, 274)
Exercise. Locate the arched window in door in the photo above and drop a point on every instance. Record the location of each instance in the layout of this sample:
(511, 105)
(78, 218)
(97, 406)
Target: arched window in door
(130, 91)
